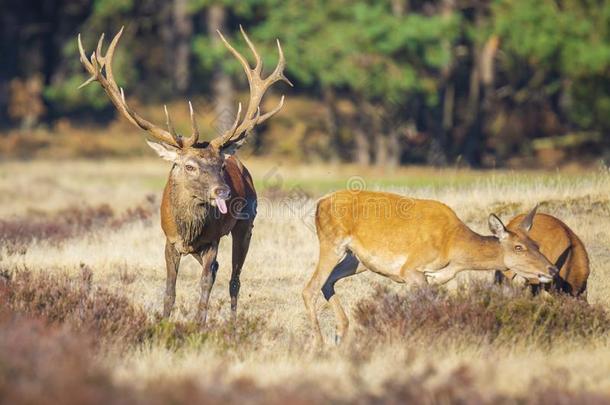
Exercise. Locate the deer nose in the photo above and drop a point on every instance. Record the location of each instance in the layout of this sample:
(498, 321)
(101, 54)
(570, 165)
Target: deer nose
(553, 270)
(221, 192)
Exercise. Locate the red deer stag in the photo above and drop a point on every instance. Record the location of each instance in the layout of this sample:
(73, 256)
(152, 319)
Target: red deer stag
(407, 240)
(209, 193)
(561, 246)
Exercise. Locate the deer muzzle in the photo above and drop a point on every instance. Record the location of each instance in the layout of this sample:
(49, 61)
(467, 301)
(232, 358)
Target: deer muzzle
(547, 278)
(221, 195)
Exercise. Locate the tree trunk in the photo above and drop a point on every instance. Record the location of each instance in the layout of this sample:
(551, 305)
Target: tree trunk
(375, 117)
(471, 144)
(387, 132)
(393, 148)
(222, 85)
(361, 137)
(183, 28)
(381, 151)
(362, 155)
(437, 154)
(399, 7)
(333, 124)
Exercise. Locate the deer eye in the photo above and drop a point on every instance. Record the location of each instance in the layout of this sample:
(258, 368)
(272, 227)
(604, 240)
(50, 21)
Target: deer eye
(519, 248)
(189, 168)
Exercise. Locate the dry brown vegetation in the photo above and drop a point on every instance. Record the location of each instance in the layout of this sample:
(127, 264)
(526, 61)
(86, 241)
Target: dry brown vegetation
(82, 278)
(479, 313)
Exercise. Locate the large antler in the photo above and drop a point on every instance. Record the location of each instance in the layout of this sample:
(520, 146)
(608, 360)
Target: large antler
(100, 69)
(258, 86)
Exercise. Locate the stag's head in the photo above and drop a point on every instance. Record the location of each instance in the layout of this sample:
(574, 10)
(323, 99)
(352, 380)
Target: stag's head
(521, 254)
(198, 167)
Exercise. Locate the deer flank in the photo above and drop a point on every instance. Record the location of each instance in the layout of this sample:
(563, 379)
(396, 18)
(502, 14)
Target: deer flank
(409, 241)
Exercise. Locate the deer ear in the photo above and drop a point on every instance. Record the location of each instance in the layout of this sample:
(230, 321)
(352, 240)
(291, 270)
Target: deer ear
(165, 151)
(231, 148)
(528, 221)
(497, 227)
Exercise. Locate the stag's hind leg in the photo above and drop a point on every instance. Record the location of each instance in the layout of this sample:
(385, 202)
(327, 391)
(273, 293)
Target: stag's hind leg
(241, 234)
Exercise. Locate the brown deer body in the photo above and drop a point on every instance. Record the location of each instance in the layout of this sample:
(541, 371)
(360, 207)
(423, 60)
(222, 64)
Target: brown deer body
(209, 193)
(407, 240)
(561, 246)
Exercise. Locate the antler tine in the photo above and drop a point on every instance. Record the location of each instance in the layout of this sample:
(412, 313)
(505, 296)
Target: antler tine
(168, 121)
(110, 55)
(100, 68)
(81, 51)
(258, 86)
(86, 82)
(98, 51)
(194, 138)
(271, 113)
(86, 62)
(237, 136)
(236, 122)
(259, 62)
(238, 56)
(278, 73)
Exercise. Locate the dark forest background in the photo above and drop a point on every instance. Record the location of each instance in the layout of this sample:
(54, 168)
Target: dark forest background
(385, 82)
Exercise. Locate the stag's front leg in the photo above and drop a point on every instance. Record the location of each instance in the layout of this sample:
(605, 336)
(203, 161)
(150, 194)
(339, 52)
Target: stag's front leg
(172, 262)
(207, 258)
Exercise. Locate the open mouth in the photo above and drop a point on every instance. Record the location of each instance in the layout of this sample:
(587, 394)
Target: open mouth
(221, 204)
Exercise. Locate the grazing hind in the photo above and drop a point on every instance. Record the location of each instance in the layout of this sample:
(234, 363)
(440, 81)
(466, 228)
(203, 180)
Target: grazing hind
(561, 246)
(409, 241)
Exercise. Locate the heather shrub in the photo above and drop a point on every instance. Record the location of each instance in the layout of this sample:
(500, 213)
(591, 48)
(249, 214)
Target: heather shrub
(42, 364)
(223, 334)
(478, 312)
(59, 300)
(45, 360)
(17, 233)
(459, 387)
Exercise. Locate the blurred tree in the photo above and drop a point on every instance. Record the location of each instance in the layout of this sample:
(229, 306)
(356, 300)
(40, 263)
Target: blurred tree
(370, 53)
(176, 29)
(183, 29)
(26, 105)
(435, 81)
(221, 82)
(556, 63)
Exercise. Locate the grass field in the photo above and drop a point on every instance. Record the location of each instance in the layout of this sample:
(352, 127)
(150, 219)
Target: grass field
(61, 217)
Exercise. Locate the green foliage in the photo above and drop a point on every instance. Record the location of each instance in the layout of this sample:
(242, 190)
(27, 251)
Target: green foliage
(243, 8)
(552, 65)
(361, 46)
(66, 95)
(110, 8)
(571, 40)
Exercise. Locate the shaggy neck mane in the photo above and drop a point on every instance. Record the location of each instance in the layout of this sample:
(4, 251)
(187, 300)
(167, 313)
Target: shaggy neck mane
(190, 214)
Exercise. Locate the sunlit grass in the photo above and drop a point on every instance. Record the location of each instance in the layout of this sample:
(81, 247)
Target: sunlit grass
(127, 260)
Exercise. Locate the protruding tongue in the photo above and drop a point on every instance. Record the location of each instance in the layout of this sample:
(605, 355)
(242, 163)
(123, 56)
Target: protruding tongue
(222, 205)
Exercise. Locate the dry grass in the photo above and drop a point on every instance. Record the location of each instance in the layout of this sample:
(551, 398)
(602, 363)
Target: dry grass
(268, 357)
